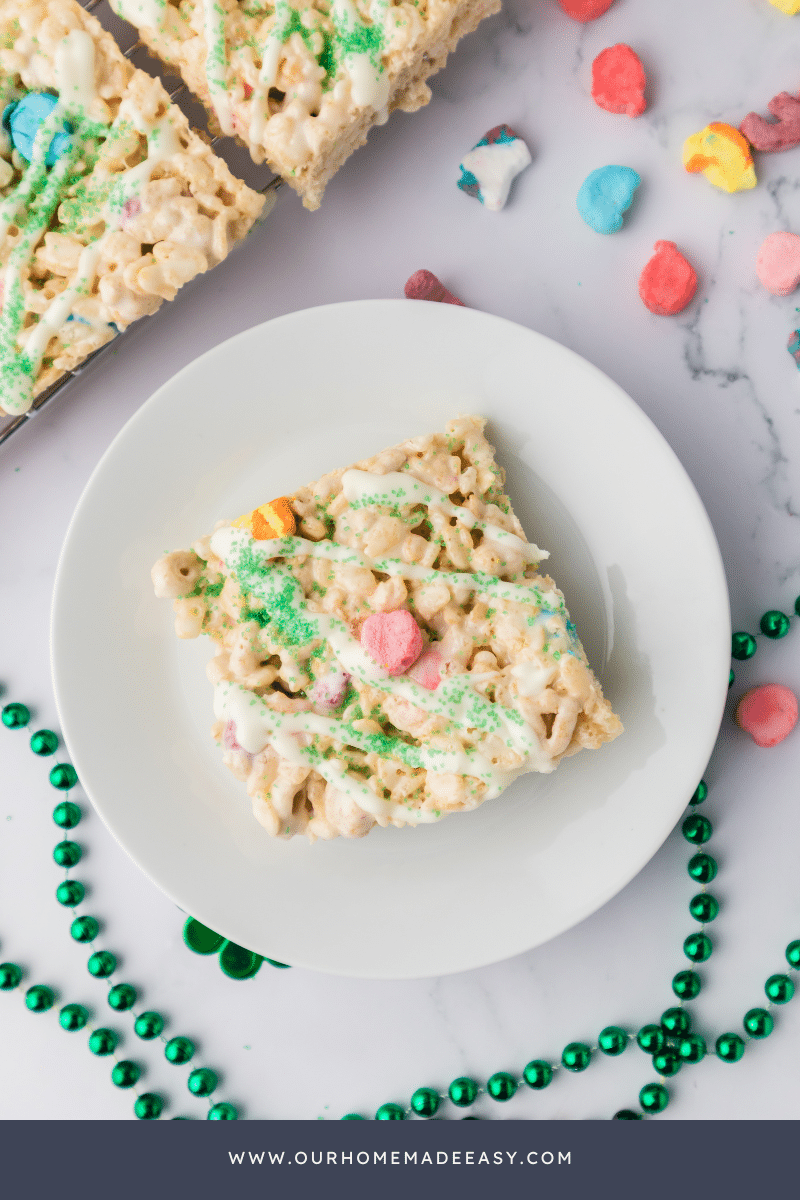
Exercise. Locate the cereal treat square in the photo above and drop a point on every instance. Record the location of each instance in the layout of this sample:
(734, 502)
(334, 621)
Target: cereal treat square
(387, 651)
(109, 202)
(301, 83)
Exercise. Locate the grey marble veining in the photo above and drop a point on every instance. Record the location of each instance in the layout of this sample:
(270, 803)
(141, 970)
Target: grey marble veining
(718, 383)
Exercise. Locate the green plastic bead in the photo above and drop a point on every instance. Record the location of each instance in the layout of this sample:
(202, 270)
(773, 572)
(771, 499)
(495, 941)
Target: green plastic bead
(692, 1049)
(352, 1117)
(148, 1106)
(103, 1042)
(200, 938)
(686, 985)
(67, 854)
(793, 955)
(743, 645)
(576, 1056)
(44, 742)
(125, 1074)
(704, 907)
(702, 868)
(774, 624)
(651, 1039)
(797, 606)
(70, 892)
(390, 1112)
(425, 1102)
(101, 964)
(122, 996)
(15, 716)
(63, 776)
(273, 962)
(501, 1085)
(463, 1091)
(779, 989)
(239, 963)
(538, 1074)
(73, 1017)
(627, 1114)
(697, 829)
(731, 678)
(666, 1062)
(697, 947)
(730, 1047)
(178, 1050)
(701, 791)
(10, 976)
(39, 998)
(148, 1025)
(223, 1111)
(202, 1081)
(654, 1097)
(676, 1022)
(84, 929)
(612, 1040)
(758, 1023)
(66, 814)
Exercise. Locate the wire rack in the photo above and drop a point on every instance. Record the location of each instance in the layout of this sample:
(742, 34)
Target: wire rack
(226, 148)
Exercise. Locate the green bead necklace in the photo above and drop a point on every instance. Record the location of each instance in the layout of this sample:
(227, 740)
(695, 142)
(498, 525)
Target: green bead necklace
(670, 1042)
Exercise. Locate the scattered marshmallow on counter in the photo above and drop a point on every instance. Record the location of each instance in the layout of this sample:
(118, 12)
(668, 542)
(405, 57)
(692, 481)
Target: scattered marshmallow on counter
(393, 639)
(606, 195)
(768, 713)
(793, 346)
(423, 285)
(491, 166)
(618, 81)
(723, 155)
(585, 10)
(790, 7)
(778, 263)
(781, 134)
(668, 282)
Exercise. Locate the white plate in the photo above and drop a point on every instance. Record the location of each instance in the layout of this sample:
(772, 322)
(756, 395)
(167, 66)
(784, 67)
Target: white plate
(592, 480)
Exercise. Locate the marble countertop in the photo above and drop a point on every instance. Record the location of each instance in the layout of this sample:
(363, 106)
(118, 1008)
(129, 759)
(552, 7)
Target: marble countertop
(719, 384)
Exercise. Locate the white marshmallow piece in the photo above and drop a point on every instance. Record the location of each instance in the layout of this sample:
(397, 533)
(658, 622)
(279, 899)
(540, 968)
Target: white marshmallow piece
(496, 167)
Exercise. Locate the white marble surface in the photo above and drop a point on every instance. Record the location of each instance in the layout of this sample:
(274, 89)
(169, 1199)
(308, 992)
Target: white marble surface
(717, 381)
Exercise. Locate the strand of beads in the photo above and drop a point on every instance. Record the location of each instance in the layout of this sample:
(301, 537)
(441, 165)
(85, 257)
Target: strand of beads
(102, 964)
(774, 624)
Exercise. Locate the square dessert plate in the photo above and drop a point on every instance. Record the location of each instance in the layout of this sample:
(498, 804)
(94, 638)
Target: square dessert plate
(592, 481)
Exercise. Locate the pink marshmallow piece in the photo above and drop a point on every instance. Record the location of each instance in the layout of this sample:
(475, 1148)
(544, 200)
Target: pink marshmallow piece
(427, 670)
(229, 737)
(778, 263)
(329, 691)
(393, 639)
(768, 713)
(423, 285)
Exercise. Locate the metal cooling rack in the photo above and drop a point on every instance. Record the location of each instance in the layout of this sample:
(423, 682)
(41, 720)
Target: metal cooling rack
(225, 147)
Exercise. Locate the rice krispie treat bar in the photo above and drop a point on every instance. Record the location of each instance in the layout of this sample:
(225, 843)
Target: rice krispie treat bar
(387, 651)
(301, 83)
(109, 202)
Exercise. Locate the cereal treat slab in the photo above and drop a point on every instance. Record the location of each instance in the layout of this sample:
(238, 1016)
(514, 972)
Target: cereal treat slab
(387, 651)
(301, 84)
(109, 202)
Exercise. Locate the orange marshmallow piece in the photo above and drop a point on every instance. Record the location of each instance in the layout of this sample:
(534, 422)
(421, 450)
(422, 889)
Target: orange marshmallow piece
(723, 155)
(272, 520)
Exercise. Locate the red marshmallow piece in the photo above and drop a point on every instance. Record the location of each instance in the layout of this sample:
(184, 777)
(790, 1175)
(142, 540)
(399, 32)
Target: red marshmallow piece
(781, 134)
(423, 285)
(668, 282)
(768, 713)
(618, 81)
(393, 639)
(427, 670)
(585, 10)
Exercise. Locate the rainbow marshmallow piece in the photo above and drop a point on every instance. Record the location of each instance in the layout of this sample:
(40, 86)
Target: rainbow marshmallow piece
(790, 7)
(491, 166)
(272, 520)
(723, 155)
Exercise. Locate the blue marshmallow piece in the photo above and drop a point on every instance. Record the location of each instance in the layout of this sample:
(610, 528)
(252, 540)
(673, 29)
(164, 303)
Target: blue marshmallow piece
(606, 195)
(22, 120)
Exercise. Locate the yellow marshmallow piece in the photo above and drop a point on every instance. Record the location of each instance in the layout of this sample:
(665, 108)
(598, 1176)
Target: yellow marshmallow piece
(723, 155)
(790, 7)
(272, 520)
